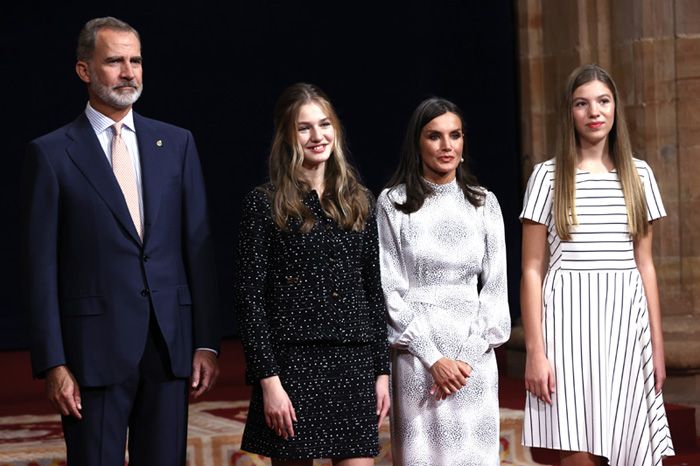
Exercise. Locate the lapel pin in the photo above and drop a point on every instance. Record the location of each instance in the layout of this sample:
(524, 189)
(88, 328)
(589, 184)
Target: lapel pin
(159, 143)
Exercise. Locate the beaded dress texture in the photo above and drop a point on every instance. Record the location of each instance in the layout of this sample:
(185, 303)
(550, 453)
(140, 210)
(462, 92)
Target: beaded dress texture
(311, 310)
(444, 279)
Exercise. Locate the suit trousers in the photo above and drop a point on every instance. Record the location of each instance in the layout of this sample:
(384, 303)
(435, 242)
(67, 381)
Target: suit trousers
(151, 403)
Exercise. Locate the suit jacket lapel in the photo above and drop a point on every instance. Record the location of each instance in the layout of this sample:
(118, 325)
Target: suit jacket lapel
(152, 150)
(88, 156)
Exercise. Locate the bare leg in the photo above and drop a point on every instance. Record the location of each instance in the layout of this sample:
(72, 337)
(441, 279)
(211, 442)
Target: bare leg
(579, 458)
(292, 462)
(353, 462)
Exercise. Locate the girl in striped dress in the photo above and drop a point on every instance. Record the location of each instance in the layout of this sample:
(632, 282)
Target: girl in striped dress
(595, 357)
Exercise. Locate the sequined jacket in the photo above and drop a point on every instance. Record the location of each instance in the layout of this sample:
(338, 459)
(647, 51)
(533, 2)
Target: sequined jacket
(298, 288)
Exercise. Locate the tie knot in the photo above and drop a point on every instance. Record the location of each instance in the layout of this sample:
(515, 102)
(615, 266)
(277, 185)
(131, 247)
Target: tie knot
(117, 127)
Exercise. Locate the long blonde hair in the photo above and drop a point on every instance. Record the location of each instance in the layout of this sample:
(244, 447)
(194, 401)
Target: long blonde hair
(344, 199)
(620, 150)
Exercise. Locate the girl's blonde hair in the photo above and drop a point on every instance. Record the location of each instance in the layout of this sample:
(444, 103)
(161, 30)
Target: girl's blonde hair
(344, 199)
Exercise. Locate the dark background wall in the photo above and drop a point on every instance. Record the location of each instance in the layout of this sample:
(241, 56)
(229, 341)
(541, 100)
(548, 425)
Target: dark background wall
(217, 68)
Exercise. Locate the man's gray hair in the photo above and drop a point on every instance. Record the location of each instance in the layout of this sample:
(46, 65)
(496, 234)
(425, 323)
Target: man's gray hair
(88, 35)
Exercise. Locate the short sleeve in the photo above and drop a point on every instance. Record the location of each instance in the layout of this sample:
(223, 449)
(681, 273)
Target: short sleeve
(652, 195)
(537, 204)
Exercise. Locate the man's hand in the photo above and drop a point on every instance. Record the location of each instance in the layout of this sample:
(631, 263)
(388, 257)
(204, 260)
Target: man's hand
(63, 392)
(205, 371)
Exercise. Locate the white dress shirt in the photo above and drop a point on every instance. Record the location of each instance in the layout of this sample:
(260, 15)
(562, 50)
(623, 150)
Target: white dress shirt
(102, 125)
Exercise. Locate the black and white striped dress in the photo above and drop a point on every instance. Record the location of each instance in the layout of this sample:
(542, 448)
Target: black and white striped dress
(596, 327)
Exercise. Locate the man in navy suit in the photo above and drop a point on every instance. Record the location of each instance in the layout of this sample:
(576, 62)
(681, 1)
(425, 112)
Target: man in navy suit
(119, 275)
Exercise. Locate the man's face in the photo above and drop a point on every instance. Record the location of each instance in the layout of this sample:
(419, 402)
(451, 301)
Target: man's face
(114, 74)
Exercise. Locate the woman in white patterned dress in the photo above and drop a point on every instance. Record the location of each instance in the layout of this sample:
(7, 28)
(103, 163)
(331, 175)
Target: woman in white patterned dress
(443, 267)
(595, 360)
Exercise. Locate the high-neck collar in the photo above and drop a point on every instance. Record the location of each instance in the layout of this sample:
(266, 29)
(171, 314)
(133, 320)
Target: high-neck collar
(450, 187)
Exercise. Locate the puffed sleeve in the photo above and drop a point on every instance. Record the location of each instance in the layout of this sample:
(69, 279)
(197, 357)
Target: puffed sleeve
(655, 206)
(373, 291)
(406, 329)
(537, 205)
(491, 328)
(255, 236)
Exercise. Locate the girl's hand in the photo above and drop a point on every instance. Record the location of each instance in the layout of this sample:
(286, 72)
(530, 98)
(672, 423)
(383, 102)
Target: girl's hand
(659, 369)
(539, 377)
(381, 388)
(279, 412)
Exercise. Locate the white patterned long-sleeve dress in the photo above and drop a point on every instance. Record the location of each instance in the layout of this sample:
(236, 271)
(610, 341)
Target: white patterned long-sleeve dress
(444, 278)
(596, 327)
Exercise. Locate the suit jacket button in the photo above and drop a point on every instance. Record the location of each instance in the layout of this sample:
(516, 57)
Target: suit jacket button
(292, 280)
(145, 258)
(145, 292)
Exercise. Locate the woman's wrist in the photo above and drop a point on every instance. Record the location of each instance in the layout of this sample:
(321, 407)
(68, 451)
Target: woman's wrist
(534, 350)
(270, 382)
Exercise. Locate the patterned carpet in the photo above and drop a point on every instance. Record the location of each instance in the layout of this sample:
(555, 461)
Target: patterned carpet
(215, 431)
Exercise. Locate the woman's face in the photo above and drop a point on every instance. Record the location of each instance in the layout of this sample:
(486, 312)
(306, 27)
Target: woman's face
(441, 145)
(593, 112)
(315, 133)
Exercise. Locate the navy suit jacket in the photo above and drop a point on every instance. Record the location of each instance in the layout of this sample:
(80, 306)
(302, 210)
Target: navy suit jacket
(90, 283)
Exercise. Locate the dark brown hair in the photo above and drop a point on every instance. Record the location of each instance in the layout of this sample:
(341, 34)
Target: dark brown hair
(410, 169)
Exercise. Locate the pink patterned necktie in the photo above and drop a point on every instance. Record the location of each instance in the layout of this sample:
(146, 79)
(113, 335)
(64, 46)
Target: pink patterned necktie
(126, 177)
